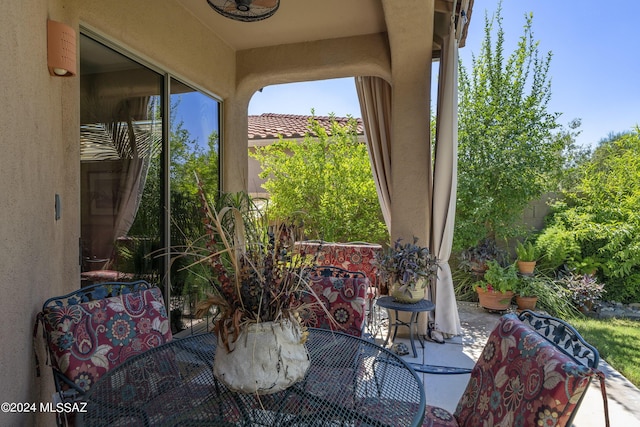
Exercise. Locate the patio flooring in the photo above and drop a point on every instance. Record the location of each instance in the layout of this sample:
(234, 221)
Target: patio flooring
(463, 351)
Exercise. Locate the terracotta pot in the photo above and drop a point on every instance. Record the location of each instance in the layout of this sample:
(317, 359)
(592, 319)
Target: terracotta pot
(526, 303)
(526, 267)
(586, 307)
(494, 300)
(266, 358)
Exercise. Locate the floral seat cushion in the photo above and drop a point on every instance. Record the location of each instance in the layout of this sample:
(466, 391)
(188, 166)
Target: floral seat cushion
(340, 304)
(521, 379)
(88, 339)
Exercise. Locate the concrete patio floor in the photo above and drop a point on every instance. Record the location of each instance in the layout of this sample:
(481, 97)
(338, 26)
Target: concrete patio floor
(463, 351)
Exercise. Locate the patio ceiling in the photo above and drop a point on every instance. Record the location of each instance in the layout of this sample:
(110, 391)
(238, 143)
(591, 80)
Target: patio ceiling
(299, 21)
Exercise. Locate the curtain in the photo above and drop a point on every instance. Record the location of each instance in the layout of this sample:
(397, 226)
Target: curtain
(445, 172)
(135, 165)
(374, 95)
(118, 151)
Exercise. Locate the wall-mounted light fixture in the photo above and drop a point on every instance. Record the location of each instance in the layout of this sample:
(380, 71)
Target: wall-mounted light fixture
(61, 49)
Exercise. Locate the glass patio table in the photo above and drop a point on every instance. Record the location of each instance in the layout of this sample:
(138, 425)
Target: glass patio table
(350, 382)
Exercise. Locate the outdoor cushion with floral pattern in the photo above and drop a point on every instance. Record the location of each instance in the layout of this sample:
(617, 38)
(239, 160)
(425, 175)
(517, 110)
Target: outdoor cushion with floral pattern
(521, 379)
(342, 304)
(348, 256)
(90, 338)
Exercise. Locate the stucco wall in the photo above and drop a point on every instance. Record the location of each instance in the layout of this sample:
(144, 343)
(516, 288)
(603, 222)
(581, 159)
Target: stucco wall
(39, 131)
(36, 144)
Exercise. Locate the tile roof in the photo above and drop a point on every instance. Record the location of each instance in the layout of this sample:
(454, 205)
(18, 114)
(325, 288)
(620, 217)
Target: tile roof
(271, 126)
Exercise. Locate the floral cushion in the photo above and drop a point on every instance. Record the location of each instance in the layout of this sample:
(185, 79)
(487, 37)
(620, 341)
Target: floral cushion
(521, 379)
(348, 256)
(88, 339)
(340, 304)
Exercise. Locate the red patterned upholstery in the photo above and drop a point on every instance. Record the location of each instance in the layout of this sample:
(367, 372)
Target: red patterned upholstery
(89, 338)
(342, 304)
(348, 256)
(521, 379)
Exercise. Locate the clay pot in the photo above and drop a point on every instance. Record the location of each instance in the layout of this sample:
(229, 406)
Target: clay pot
(526, 303)
(494, 300)
(526, 267)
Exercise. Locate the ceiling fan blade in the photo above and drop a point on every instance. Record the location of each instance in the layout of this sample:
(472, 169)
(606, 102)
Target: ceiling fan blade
(264, 3)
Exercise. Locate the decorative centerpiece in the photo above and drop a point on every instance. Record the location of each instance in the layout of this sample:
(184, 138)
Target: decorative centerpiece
(496, 290)
(407, 269)
(257, 283)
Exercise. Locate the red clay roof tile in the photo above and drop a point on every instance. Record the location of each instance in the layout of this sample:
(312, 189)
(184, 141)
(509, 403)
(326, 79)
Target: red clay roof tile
(271, 125)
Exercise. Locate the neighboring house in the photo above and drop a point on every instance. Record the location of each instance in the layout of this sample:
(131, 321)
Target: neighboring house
(267, 128)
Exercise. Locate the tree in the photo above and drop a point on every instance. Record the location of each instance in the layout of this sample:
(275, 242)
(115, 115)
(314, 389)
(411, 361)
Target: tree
(601, 214)
(327, 178)
(508, 155)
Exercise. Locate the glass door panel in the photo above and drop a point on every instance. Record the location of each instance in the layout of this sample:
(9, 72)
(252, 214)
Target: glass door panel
(120, 148)
(194, 148)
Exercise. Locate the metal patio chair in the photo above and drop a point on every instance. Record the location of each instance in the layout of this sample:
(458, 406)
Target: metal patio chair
(89, 331)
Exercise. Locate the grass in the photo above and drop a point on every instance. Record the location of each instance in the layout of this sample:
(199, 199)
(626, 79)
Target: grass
(618, 342)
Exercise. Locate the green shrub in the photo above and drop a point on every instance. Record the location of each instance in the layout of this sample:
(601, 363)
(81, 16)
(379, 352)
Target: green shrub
(556, 246)
(328, 177)
(526, 251)
(599, 223)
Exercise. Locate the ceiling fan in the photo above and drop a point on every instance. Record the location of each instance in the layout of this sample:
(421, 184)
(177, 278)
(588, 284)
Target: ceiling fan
(245, 10)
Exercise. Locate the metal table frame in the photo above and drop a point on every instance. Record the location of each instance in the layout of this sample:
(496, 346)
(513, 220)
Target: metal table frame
(415, 309)
(351, 382)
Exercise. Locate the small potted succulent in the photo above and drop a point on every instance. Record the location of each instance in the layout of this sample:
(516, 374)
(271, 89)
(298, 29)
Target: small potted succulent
(407, 269)
(496, 290)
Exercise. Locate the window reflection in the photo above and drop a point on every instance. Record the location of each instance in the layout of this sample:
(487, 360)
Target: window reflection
(120, 138)
(123, 177)
(194, 149)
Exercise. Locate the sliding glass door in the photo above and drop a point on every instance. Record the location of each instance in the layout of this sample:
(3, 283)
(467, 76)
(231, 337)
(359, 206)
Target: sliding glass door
(138, 166)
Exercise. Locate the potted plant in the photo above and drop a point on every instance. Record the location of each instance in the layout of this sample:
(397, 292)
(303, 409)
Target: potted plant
(585, 290)
(407, 269)
(586, 265)
(475, 259)
(257, 283)
(527, 257)
(496, 290)
(527, 290)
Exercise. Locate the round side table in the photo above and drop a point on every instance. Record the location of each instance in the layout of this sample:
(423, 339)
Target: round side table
(415, 309)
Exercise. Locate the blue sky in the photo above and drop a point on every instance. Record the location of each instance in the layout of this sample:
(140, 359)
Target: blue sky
(594, 71)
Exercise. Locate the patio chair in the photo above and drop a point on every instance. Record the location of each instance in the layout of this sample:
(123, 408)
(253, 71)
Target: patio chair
(534, 370)
(89, 331)
(338, 301)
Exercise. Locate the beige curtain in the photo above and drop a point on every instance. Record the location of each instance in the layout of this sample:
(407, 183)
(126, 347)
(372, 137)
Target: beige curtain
(374, 94)
(117, 150)
(447, 320)
(135, 164)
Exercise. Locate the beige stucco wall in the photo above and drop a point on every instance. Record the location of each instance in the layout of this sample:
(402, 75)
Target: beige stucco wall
(39, 131)
(35, 145)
